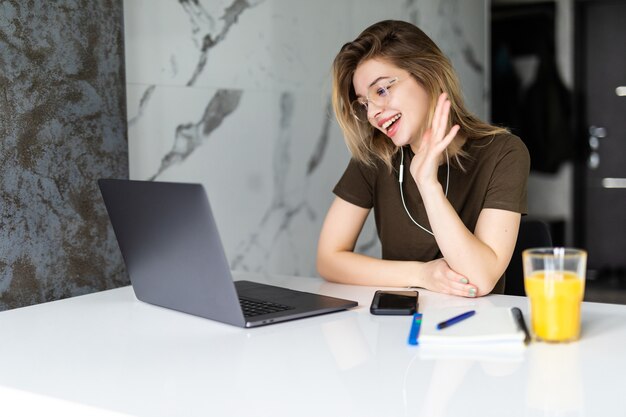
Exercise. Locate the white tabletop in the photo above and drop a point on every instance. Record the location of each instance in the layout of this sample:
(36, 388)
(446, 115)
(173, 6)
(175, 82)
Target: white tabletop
(109, 354)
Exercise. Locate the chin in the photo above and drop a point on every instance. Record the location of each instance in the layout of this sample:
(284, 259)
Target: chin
(399, 140)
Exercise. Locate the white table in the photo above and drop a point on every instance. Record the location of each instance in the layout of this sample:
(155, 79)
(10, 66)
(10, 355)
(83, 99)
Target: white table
(109, 354)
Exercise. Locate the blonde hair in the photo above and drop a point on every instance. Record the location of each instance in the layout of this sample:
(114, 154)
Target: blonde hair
(407, 47)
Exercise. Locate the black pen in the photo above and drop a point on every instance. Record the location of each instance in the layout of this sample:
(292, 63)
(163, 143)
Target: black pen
(519, 318)
(455, 319)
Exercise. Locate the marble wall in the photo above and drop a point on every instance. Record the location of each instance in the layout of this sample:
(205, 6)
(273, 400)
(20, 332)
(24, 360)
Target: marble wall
(62, 126)
(235, 94)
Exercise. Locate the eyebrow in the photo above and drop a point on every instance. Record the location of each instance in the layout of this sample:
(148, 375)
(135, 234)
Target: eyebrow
(377, 80)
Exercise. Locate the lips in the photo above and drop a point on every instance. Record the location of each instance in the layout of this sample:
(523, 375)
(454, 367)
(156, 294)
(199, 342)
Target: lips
(389, 124)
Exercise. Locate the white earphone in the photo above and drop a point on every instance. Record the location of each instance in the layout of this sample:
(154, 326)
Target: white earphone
(401, 178)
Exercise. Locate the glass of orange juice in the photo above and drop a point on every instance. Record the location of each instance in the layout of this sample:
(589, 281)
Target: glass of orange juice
(554, 279)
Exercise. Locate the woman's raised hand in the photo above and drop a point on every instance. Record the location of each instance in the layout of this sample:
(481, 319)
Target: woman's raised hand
(433, 143)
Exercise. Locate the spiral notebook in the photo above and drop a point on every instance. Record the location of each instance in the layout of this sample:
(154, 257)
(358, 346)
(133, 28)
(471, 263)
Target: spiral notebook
(491, 326)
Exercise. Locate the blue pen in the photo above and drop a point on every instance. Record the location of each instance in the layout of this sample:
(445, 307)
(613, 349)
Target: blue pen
(455, 319)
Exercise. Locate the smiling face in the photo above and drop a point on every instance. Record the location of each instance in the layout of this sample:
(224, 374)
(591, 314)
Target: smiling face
(403, 114)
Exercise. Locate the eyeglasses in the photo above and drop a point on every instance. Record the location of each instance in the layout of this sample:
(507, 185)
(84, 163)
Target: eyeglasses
(377, 94)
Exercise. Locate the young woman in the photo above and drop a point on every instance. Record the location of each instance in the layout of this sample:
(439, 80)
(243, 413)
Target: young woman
(447, 189)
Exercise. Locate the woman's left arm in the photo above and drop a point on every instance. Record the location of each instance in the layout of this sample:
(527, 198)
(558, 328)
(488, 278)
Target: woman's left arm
(482, 256)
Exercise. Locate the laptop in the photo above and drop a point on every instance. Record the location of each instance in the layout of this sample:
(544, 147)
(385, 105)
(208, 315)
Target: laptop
(175, 259)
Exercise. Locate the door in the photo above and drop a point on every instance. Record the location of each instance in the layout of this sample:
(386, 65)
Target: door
(602, 38)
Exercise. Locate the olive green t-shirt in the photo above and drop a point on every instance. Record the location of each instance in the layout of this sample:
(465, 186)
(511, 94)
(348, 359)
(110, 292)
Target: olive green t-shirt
(496, 175)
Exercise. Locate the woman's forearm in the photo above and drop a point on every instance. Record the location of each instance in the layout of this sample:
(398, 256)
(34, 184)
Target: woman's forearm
(347, 267)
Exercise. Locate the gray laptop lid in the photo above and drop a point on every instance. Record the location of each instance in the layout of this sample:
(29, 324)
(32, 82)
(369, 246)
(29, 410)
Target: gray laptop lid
(175, 259)
(170, 243)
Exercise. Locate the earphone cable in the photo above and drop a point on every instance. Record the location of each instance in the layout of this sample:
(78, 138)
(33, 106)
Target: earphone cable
(400, 180)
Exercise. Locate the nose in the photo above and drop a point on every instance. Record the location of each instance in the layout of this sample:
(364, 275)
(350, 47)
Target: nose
(374, 109)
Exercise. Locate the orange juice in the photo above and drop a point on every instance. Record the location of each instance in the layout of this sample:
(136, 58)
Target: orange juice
(555, 305)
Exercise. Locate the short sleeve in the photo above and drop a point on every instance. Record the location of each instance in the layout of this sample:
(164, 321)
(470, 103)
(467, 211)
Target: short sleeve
(508, 186)
(356, 185)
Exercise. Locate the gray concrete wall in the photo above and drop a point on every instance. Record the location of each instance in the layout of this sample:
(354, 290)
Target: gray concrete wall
(62, 126)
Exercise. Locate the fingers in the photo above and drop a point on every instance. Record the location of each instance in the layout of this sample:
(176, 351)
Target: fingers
(426, 139)
(440, 118)
(463, 289)
(439, 124)
(448, 281)
(449, 137)
(460, 285)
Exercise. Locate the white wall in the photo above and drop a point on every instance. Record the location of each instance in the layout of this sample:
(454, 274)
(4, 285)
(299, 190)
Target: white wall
(254, 124)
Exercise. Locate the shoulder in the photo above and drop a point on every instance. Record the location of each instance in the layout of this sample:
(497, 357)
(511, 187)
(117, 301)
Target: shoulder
(511, 142)
(509, 156)
(363, 169)
(507, 140)
(499, 146)
(358, 183)
(512, 147)
(507, 164)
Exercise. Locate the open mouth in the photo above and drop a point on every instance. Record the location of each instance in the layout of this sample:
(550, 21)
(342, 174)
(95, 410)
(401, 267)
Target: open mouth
(391, 121)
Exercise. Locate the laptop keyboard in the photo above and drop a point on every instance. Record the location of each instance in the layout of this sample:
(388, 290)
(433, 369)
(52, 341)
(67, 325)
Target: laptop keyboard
(253, 308)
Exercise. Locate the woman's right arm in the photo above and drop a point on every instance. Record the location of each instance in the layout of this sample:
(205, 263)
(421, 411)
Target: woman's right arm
(337, 262)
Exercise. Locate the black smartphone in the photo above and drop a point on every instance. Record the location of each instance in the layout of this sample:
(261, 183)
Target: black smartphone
(394, 303)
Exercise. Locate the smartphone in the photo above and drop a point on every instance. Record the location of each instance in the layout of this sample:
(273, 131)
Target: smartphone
(394, 303)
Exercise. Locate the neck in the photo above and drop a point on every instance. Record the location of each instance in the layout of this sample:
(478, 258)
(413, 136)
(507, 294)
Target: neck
(458, 141)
